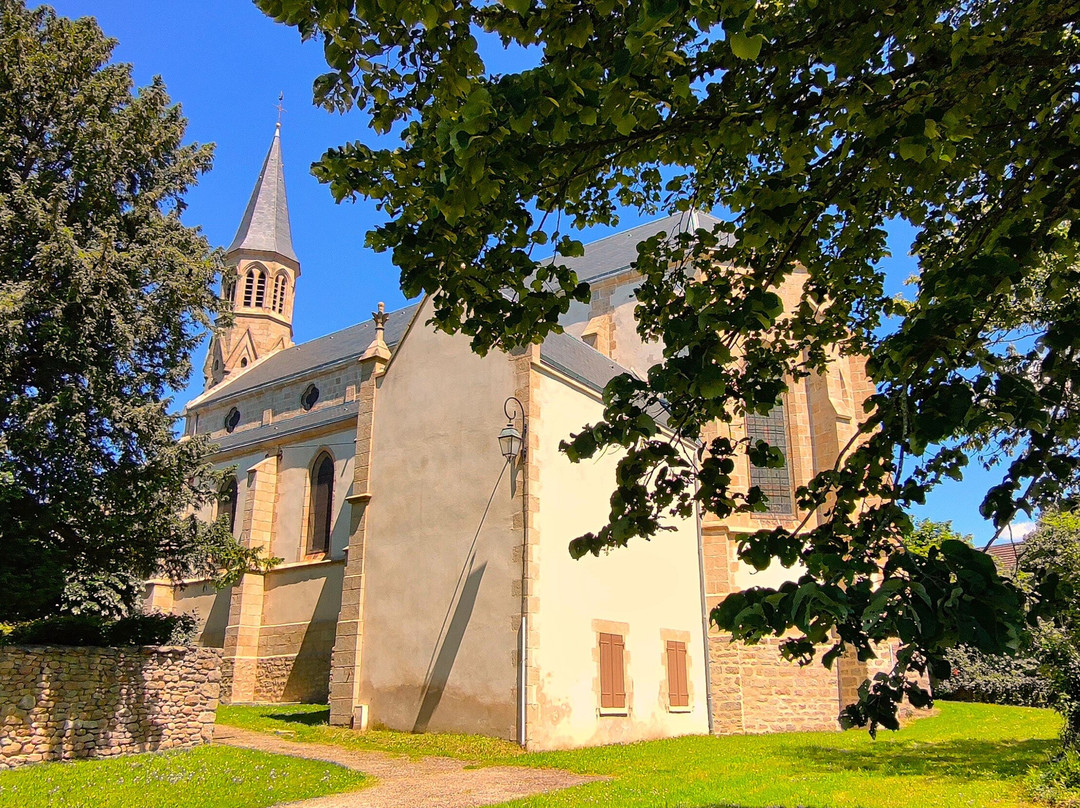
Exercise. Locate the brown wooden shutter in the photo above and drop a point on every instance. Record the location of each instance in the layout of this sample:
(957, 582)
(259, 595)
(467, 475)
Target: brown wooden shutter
(606, 691)
(618, 671)
(684, 681)
(612, 678)
(678, 684)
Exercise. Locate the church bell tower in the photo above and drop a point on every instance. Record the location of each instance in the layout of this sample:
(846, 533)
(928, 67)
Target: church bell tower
(260, 278)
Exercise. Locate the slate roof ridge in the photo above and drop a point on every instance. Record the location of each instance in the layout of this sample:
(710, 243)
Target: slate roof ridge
(304, 358)
(574, 357)
(616, 252)
(265, 226)
(398, 321)
(692, 215)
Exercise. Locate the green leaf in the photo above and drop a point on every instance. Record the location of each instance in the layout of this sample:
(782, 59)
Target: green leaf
(746, 47)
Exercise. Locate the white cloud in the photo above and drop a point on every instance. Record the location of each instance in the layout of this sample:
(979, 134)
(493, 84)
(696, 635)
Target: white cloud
(1018, 530)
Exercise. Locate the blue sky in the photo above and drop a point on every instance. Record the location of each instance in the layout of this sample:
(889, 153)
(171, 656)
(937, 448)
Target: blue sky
(226, 63)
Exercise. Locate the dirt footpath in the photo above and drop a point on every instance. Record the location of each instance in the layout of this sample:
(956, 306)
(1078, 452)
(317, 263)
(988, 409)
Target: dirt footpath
(404, 782)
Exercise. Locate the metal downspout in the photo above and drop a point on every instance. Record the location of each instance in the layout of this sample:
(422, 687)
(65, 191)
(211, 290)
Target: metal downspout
(524, 632)
(704, 616)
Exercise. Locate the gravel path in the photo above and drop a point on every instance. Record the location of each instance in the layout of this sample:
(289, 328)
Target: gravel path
(404, 782)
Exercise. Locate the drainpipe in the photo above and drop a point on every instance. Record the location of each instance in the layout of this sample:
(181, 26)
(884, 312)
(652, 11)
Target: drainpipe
(704, 615)
(523, 634)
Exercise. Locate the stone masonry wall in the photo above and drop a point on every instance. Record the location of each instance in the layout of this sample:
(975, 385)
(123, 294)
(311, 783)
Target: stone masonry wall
(66, 703)
(755, 690)
(294, 662)
(853, 673)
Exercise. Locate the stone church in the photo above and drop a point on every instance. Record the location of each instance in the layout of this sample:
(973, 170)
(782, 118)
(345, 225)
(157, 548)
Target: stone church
(425, 583)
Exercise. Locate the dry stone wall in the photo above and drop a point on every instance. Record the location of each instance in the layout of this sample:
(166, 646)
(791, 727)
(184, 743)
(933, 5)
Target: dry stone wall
(67, 703)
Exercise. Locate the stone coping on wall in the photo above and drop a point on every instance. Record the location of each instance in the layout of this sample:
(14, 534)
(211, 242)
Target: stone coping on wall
(64, 703)
(285, 566)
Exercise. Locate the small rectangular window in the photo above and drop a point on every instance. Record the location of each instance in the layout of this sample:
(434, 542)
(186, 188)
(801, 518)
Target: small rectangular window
(612, 673)
(678, 686)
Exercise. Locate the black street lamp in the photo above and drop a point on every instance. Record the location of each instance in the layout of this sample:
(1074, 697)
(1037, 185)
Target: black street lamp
(512, 442)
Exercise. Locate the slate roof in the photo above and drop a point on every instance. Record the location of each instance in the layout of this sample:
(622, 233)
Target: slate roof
(572, 357)
(565, 353)
(288, 426)
(333, 349)
(265, 226)
(616, 252)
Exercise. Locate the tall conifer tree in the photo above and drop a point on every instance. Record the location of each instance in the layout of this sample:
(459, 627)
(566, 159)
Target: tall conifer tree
(104, 293)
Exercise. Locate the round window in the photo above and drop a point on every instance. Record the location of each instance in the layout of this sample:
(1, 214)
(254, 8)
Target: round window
(310, 396)
(232, 419)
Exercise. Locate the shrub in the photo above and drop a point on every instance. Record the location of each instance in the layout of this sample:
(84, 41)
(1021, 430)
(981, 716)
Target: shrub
(68, 629)
(994, 680)
(1057, 784)
(87, 629)
(153, 629)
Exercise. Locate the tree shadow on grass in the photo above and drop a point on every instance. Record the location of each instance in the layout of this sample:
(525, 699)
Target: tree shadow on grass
(312, 719)
(970, 759)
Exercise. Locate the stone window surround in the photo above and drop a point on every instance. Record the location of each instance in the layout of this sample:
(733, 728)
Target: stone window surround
(305, 556)
(256, 281)
(684, 637)
(623, 630)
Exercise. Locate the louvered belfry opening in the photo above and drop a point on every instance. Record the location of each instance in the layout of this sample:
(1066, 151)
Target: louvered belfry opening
(249, 287)
(260, 289)
(322, 499)
(279, 293)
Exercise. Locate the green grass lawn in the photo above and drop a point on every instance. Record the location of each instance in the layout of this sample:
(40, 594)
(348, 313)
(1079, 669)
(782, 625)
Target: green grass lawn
(310, 723)
(966, 755)
(205, 777)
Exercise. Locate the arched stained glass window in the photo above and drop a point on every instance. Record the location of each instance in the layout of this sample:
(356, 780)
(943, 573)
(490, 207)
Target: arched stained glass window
(227, 502)
(775, 483)
(322, 500)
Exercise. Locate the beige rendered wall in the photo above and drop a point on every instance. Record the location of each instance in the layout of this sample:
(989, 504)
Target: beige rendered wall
(275, 403)
(239, 463)
(295, 607)
(300, 609)
(290, 540)
(651, 588)
(612, 310)
(210, 608)
(440, 614)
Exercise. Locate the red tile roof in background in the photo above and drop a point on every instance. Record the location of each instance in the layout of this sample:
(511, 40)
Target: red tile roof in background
(1006, 553)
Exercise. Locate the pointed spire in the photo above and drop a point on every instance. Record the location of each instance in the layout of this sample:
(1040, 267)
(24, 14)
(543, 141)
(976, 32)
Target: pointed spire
(265, 227)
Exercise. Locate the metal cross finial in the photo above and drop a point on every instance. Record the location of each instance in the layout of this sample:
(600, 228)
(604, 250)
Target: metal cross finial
(280, 107)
